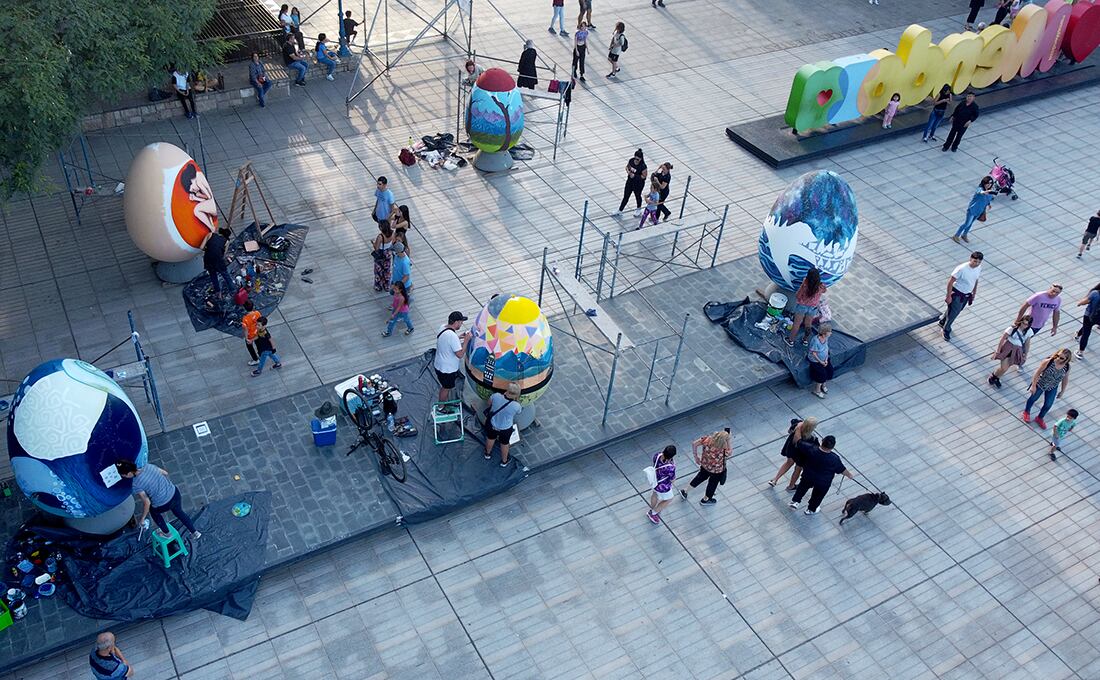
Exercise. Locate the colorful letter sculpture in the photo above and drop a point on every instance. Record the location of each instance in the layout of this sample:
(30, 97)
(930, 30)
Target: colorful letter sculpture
(813, 223)
(494, 119)
(168, 204)
(835, 92)
(510, 341)
(69, 422)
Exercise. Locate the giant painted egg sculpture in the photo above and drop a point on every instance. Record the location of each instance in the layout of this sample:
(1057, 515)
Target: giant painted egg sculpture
(510, 342)
(68, 422)
(494, 117)
(168, 204)
(813, 223)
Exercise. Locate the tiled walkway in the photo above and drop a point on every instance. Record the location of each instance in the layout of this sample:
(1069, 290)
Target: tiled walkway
(985, 568)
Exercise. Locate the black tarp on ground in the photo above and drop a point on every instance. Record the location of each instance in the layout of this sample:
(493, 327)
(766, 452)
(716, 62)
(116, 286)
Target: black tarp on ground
(273, 283)
(738, 318)
(440, 478)
(123, 580)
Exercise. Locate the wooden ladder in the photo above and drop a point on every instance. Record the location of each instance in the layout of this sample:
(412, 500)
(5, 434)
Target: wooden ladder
(243, 202)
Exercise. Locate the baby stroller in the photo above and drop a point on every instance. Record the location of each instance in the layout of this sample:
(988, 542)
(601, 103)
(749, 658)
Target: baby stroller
(1003, 179)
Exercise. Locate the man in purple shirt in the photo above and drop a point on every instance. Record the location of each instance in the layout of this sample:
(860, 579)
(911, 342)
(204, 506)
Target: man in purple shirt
(1043, 305)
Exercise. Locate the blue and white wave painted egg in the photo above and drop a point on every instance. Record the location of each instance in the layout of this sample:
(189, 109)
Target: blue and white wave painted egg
(68, 422)
(813, 223)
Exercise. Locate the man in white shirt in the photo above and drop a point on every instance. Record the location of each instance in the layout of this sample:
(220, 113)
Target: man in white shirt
(449, 350)
(962, 287)
(181, 81)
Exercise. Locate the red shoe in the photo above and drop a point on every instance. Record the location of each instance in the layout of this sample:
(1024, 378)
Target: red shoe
(1026, 417)
(1042, 425)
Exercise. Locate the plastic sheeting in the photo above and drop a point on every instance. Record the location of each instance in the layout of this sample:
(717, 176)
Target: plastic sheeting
(123, 580)
(440, 477)
(739, 318)
(273, 281)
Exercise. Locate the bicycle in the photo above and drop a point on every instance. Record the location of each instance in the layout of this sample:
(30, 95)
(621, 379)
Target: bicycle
(368, 421)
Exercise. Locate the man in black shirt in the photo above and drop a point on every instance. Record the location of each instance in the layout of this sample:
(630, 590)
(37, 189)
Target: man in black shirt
(1090, 234)
(819, 464)
(213, 260)
(961, 118)
(296, 66)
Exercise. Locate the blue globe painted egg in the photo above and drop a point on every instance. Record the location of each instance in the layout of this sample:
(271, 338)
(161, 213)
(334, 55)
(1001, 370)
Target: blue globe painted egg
(68, 422)
(813, 223)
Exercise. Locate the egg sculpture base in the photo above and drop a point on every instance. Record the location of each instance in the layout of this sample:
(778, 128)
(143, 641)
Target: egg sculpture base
(179, 272)
(497, 161)
(106, 523)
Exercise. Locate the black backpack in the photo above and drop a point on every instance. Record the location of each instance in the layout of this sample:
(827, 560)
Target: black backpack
(626, 43)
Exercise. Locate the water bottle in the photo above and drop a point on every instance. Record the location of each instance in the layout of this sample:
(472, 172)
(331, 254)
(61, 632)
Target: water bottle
(390, 423)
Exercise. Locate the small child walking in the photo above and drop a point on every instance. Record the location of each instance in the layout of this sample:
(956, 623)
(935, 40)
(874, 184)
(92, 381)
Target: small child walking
(265, 346)
(891, 109)
(652, 202)
(821, 370)
(400, 310)
(249, 322)
(1061, 428)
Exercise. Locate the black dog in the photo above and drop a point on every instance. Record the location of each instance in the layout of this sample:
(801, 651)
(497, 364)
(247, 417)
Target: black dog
(865, 504)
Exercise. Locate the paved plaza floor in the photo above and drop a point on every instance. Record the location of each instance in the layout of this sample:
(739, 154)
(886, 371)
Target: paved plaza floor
(987, 565)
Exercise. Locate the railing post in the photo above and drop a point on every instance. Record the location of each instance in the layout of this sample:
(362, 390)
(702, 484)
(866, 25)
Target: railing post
(683, 202)
(580, 243)
(615, 267)
(676, 361)
(611, 380)
(721, 228)
(603, 263)
(542, 275)
(652, 367)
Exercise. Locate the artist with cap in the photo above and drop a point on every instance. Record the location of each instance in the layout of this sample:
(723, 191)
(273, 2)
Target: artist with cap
(450, 347)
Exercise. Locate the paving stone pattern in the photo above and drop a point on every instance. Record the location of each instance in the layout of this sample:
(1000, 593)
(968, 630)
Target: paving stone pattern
(986, 565)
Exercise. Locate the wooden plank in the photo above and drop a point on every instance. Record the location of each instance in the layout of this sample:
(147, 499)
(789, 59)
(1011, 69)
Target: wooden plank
(585, 301)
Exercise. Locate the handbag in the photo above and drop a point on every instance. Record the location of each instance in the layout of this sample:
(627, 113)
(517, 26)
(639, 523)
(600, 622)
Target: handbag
(650, 475)
(982, 217)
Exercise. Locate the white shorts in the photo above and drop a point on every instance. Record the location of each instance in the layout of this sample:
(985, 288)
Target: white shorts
(665, 495)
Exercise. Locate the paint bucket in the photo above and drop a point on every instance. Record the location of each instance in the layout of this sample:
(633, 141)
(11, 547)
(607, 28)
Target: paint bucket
(18, 608)
(46, 589)
(776, 304)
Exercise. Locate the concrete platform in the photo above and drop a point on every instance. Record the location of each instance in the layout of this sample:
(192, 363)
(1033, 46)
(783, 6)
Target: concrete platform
(770, 139)
(322, 498)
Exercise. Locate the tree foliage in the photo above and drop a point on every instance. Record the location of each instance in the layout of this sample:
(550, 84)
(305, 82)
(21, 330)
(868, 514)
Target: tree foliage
(66, 58)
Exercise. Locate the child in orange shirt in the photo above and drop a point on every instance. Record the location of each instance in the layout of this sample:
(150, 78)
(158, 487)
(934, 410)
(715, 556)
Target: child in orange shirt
(250, 323)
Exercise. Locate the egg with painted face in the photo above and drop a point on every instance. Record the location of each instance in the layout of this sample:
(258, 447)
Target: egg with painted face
(813, 223)
(510, 341)
(494, 116)
(168, 204)
(68, 422)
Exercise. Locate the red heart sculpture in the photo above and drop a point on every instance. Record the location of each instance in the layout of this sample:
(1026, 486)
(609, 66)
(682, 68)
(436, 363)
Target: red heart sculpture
(823, 97)
(1082, 31)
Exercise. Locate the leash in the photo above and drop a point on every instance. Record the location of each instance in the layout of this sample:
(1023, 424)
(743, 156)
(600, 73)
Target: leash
(842, 478)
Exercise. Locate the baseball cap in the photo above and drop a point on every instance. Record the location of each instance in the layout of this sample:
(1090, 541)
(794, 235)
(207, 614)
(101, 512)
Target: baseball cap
(456, 316)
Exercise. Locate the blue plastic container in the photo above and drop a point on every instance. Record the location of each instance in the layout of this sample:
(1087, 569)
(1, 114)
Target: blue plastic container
(323, 436)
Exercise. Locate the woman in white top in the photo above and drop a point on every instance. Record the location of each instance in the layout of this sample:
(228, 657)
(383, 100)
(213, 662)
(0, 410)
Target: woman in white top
(1012, 349)
(618, 39)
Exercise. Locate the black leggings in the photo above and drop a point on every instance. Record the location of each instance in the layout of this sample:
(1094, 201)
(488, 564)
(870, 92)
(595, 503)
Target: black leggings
(579, 52)
(973, 15)
(662, 209)
(1084, 333)
(634, 188)
(175, 505)
(712, 479)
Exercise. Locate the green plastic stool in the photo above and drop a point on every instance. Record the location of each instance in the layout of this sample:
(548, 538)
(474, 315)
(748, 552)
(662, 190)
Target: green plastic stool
(447, 412)
(162, 545)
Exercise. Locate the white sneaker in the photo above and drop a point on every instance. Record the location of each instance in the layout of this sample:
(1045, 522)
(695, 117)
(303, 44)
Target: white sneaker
(617, 213)
(1079, 354)
(196, 535)
(792, 504)
(638, 212)
(254, 362)
(329, 77)
(814, 512)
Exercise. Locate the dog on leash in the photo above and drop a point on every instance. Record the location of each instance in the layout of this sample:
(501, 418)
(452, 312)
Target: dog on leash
(865, 504)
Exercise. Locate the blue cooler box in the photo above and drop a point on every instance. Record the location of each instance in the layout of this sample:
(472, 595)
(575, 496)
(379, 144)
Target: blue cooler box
(324, 433)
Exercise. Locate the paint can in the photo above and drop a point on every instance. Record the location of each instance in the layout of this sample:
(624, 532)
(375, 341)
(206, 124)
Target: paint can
(776, 304)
